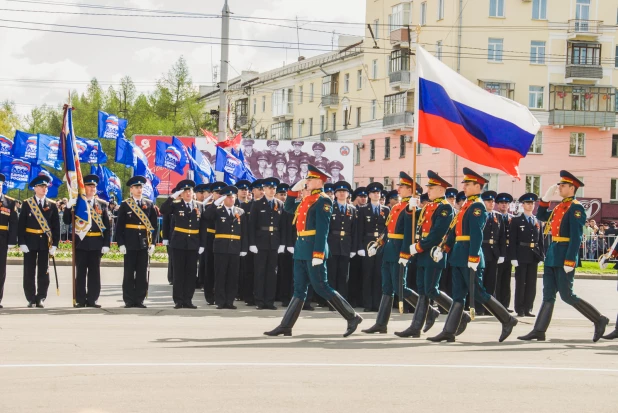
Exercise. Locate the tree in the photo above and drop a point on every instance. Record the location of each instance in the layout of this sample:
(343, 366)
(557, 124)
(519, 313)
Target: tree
(9, 120)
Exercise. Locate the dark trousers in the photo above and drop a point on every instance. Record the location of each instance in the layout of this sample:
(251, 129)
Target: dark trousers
(355, 282)
(446, 280)
(185, 268)
(36, 264)
(428, 281)
(227, 267)
(525, 287)
(372, 279)
(306, 274)
(209, 275)
(170, 265)
(488, 274)
(249, 278)
(201, 271)
(135, 282)
(503, 283)
(557, 281)
(461, 286)
(265, 285)
(3, 253)
(285, 277)
(338, 267)
(87, 273)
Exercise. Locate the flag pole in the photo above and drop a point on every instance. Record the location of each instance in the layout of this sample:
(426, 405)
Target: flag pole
(72, 231)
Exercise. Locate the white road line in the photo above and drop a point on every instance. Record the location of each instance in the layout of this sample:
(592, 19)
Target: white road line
(331, 365)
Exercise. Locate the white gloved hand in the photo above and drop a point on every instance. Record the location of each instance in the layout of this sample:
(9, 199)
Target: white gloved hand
(253, 249)
(281, 249)
(515, 263)
(243, 254)
(372, 251)
(151, 250)
(413, 203)
(200, 251)
(71, 202)
(550, 193)
(207, 199)
(316, 261)
(473, 265)
(219, 201)
(361, 253)
(166, 242)
(437, 255)
(403, 261)
(352, 254)
(24, 248)
(177, 193)
(413, 250)
(299, 185)
(291, 250)
(52, 251)
(104, 250)
(11, 246)
(568, 269)
(500, 260)
(123, 249)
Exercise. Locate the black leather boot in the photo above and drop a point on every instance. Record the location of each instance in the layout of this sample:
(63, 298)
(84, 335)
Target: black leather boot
(418, 320)
(452, 322)
(347, 311)
(289, 318)
(613, 334)
(592, 314)
(445, 302)
(503, 316)
(432, 314)
(542, 323)
(384, 314)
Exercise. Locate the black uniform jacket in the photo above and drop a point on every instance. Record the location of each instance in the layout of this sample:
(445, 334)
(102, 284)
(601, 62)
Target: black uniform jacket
(92, 242)
(265, 224)
(188, 231)
(134, 239)
(38, 242)
(342, 235)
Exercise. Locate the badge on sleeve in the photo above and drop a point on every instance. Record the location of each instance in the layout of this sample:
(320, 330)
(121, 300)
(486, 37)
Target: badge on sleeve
(444, 213)
(578, 214)
(327, 208)
(476, 212)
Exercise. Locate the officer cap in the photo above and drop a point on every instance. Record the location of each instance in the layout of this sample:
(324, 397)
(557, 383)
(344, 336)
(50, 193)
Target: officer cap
(335, 165)
(383, 194)
(375, 187)
(404, 179)
(292, 164)
(320, 164)
(314, 172)
(282, 188)
(217, 186)
(229, 190)
(280, 159)
(137, 180)
(243, 184)
(567, 178)
(436, 180)
(489, 196)
(451, 192)
(304, 159)
(343, 186)
(392, 195)
(329, 187)
(319, 146)
(201, 188)
(271, 143)
(246, 142)
(529, 197)
(471, 176)
(91, 180)
(40, 180)
(504, 197)
(272, 182)
(257, 184)
(424, 198)
(262, 157)
(298, 143)
(185, 184)
(460, 196)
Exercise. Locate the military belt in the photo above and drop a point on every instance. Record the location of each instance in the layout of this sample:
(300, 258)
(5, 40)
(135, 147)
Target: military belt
(133, 226)
(489, 241)
(187, 231)
(372, 234)
(228, 236)
(269, 229)
(94, 234)
(527, 244)
(35, 231)
(462, 238)
(308, 233)
(339, 233)
(395, 236)
(561, 239)
(211, 231)
(4, 227)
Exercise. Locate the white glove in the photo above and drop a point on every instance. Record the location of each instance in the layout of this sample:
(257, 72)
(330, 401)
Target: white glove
(151, 250)
(291, 250)
(568, 269)
(352, 254)
(166, 242)
(500, 260)
(24, 248)
(299, 185)
(104, 250)
(52, 251)
(316, 261)
(437, 254)
(550, 193)
(281, 249)
(515, 263)
(177, 193)
(473, 265)
(11, 246)
(403, 261)
(200, 251)
(243, 254)
(71, 202)
(361, 253)
(372, 251)
(253, 249)
(219, 201)
(123, 249)
(207, 199)
(413, 250)
(413, 203)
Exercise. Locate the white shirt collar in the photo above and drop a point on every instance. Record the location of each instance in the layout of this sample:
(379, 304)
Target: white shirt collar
(39, 200)
(138, 200)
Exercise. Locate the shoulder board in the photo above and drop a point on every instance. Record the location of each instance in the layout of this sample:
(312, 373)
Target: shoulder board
(9, 198)
(576, 202)
(219, 207)
(445, 202)
(176, 201)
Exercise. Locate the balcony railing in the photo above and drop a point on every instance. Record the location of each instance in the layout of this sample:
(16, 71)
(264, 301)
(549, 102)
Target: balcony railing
(284, 113)
(584, 71)
(400, 36)
(398, 121)
(329, 101)
(584, 27)
(582, 118)
(330, 135)
(399, 79)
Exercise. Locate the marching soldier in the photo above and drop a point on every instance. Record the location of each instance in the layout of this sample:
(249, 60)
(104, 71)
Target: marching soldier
(433, 224)
(38, 234)
(202, 191)
(88, 251)
(503, 279)
(188, 241)
(525, 252)
(285, 270)
(243, 201)
(312, 222)
(8, 231)
(137, 222)
(565, 223)
(265, 242)
(466, 256)
(209, 274)
(229, 244)
(446, 281)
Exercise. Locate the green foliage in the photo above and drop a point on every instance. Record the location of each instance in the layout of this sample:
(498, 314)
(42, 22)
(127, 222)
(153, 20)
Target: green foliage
(9, 121)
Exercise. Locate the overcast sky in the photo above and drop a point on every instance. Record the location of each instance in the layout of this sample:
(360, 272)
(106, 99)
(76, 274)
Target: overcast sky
(72, 60)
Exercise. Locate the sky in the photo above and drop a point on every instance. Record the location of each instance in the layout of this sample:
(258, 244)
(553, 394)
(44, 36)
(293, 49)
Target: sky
(38, 67)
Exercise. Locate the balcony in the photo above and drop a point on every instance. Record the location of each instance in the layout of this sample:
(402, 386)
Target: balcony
(330, 101)
(400, 37)
(330, 135)
(584, 29)
(583, 72)
(241, 120)
(283, 113)
(400, 80)
(582, 118)
(403, 121)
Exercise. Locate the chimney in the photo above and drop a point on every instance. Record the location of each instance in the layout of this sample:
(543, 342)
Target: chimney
(301, 58)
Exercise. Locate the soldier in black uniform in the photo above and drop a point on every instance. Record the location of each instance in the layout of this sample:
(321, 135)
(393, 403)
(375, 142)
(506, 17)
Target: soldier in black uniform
(188, 240)
(37, 241)
(209, 274)
(329, 189)
(88, 251)
(265, 242)
(134, 232)
(229, 244)
(526, 250)
(342, 239)
(355, 280)
(202, 191)
(392, 198)
(371, 224)
(243, 201)
(503, 280)
(285, 270)
(166, 226)
(8, 231)
(257, 192)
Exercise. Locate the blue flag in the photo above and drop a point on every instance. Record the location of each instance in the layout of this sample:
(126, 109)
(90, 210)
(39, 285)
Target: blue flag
(16, 171)
(109, 186)
(172, 156)
(6, 145)
(25, 146)
(124, 152)
(111, 126)
(248, 175)
(48, 151)
(203, 171)
(231, 166)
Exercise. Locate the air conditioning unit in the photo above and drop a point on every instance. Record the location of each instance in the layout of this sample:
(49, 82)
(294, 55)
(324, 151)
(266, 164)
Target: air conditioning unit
(361, 145)
(301, 121)
(408, 139)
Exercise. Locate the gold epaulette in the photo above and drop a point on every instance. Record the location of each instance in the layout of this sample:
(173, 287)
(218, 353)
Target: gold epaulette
(175, 201)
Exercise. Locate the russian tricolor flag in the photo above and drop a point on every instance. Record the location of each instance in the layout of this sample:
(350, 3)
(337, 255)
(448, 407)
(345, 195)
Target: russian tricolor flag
(455, 114)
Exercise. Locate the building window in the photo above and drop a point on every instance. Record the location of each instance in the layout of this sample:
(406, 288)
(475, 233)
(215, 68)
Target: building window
(398, 103)
(399, 60)
(537, 52)
(614, 146)
(357, 150)
(281, 130)
(616, 57)
(402, 146)
(310, 126)
(533, 184)
(300, 130)
(330, 85)
(537, 144)
(322, 123)
(372, 150)
(374, 69)
(506, 90)
(358, 117)
(580, 191)
(346, 83)
(435, 150)
(494, 50)
(582, 98)
(370, 180)
(440, 9)
(584, 54)
(263, 104)
(387, 148)
(311, 92)
(535, 97)
(492, 182)
(374, 109)
(334, 121)
(346, 118)
(496, 8)
(613, 194)
(418, 179)
(254, 106)
(439, 49)
(539, 9)
(359, 80)
(400, 16)
(418, 148)
(423, 13)
(376, 28)
(282, 102)
(582, 12)
(300, 95)
(578, 144)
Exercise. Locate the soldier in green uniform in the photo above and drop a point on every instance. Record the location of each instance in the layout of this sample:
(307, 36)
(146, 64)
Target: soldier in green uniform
(312, 220)
(565, 223)
(466, 258)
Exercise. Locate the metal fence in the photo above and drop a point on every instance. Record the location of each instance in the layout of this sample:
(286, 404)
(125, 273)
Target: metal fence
(594, 246)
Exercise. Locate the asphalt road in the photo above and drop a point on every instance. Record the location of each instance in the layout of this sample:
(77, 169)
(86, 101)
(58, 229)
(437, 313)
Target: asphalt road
(65, 360)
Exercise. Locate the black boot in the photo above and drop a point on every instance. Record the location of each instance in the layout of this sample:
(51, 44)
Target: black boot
(347, 311)
(452, 322)
(503, 316)
(432, 314)
(542, 323)
(384, 314)
(613, 334)
(289, 319)
(445, 302)
(420, 313)
(592, 314)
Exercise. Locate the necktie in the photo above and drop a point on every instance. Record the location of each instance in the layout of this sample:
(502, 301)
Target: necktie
(342, 208)
(271, 204)
(229, 212)
(530, 220)
(375, 210)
